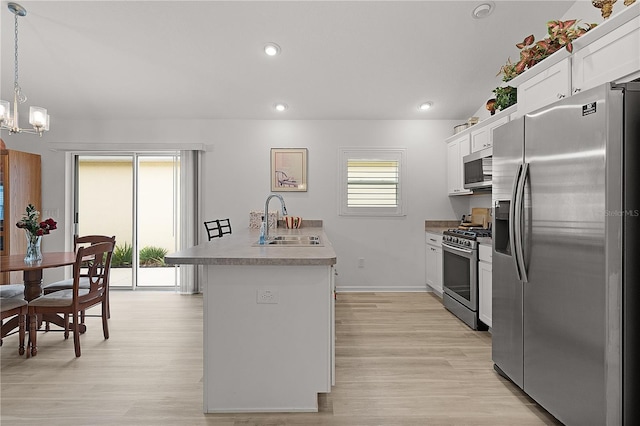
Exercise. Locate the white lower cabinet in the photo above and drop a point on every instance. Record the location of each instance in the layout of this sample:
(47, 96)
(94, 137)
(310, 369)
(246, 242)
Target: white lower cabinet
(485, 284)
(433, 270)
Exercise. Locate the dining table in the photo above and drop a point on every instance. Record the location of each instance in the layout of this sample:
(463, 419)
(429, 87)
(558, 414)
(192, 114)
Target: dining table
(32, 273)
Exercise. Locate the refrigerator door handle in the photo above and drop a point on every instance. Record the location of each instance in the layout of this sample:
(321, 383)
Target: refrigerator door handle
(517, 226)
(512, 220)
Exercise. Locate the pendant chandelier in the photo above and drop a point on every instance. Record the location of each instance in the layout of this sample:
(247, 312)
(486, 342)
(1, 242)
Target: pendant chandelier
(38, 117)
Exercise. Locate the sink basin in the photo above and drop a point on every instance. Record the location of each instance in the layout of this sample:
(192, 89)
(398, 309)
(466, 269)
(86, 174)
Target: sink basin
(294, 241)
(296, 238)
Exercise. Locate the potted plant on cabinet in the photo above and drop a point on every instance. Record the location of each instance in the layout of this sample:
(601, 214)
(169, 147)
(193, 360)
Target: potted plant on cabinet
(560, 34)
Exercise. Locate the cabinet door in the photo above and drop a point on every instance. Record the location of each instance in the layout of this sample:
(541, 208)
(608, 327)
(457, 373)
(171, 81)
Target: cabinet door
(485, 289)
(434, 268)
(431, 266)
(437, 282)
(545, 88)
(456, 149)
(610, 58)
(483, 137)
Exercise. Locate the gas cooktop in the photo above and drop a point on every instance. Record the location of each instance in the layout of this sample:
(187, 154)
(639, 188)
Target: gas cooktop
(464, 238)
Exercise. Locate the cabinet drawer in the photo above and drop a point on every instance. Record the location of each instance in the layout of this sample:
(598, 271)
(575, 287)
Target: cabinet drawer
(484, 253)
(433, 239)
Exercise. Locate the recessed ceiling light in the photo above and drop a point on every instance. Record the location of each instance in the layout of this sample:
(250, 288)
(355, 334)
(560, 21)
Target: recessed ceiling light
(483, 10)
(281, 106)
(425, 106)
(271, 49)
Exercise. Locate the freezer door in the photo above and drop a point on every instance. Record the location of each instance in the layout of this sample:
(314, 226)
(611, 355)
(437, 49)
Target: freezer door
(564, 300)
(507, 339)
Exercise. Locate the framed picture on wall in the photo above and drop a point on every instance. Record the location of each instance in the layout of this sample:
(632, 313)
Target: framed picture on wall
(288, 169)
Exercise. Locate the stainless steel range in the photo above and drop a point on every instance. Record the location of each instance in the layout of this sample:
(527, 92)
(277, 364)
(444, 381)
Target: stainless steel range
(460, 273)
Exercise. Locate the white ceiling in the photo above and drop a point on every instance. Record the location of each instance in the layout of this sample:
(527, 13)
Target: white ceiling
(204, 59)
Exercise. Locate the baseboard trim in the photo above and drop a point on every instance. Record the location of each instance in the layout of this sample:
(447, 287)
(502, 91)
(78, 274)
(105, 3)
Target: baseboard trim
(380, 289)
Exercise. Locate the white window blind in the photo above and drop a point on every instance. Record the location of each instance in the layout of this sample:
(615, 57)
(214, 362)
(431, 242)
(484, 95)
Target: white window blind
(371, 182)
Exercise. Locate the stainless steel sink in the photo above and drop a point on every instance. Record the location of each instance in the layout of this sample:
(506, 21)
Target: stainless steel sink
(297, 238)
(294, 241)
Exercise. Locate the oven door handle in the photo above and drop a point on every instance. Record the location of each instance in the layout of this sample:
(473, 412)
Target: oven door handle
(459, 250)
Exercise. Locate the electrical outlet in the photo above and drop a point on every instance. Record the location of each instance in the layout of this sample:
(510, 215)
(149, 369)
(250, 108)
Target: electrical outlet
(267, 296)
(52, 213)
(361, 262)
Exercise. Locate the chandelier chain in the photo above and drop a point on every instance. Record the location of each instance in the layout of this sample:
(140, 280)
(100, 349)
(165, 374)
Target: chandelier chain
(18, 90)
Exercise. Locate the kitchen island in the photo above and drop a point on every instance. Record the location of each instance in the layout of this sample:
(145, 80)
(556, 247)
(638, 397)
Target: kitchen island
(268, 321)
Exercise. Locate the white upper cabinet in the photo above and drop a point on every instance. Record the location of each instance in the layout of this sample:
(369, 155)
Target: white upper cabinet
(482, 138)
(548, 86)
(608, 53)
(613, 57)
(456, 149)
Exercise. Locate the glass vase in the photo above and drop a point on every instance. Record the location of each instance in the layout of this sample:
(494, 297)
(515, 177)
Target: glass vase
(33, 248)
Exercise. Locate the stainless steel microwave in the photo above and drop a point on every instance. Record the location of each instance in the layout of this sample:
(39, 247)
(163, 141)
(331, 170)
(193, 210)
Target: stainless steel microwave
(478, 169)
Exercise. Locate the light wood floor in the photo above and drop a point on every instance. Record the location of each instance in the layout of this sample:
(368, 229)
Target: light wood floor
(401, 359)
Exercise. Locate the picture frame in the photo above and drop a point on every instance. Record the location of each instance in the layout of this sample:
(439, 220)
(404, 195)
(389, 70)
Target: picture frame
(289, 169)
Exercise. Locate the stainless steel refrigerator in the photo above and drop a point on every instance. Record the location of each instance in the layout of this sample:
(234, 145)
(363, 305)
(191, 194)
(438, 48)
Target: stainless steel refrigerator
(566, 281)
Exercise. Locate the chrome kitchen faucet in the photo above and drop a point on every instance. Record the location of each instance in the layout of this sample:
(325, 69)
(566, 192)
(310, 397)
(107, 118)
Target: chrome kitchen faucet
(266, 213)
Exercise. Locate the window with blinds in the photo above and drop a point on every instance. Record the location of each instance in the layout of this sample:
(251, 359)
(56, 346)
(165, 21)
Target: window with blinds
(371, 182)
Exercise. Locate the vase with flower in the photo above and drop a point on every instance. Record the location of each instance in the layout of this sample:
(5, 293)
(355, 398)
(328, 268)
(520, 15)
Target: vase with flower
(34, 230)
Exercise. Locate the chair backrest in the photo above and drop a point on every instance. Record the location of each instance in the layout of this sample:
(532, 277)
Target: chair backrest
(213, 229)
(95, 263)
(217, 228)
(225, 226)
(87, 240)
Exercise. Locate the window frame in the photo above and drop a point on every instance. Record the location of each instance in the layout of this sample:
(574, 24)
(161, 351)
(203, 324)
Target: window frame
(372, 154)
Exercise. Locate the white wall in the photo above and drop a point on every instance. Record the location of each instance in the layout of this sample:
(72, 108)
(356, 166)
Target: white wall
(236, 180)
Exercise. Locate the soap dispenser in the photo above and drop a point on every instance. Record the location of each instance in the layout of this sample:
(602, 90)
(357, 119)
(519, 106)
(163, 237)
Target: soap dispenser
(263, 226)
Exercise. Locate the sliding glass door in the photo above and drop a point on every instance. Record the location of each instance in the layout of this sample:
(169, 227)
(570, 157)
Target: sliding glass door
(134, 197)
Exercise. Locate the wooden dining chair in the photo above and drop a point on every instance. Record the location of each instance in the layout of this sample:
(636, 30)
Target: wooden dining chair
(92, 263)
(84, 282)
(10, 307)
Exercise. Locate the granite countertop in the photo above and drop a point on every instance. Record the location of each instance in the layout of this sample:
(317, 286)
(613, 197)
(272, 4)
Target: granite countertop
(239, 249)
(439, 226)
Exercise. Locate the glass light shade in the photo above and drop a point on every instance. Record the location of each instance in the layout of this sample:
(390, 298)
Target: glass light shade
(38, 117)
(4, 111)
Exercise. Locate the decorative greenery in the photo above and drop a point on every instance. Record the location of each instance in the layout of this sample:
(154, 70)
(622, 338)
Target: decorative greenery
(29, 223)
(152, 256)
(122, 256)
(149, 256)
(561, 34)
(505, 97)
